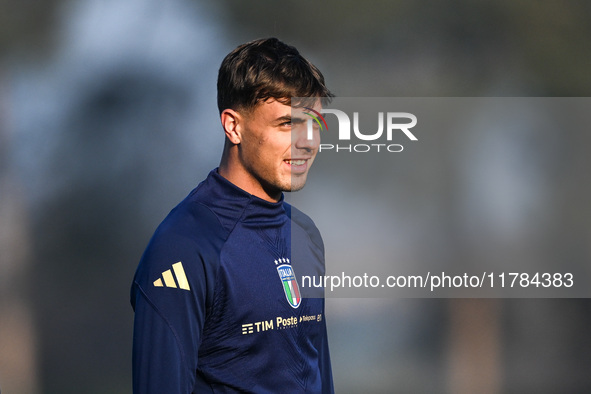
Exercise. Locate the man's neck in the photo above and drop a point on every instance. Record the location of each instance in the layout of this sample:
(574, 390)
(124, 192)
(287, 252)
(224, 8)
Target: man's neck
(245, 181)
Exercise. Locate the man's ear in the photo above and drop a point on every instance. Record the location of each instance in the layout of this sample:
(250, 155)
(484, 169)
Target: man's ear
(231, 124)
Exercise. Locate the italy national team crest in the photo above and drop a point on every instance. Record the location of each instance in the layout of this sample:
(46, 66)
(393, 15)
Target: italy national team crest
(290, 284)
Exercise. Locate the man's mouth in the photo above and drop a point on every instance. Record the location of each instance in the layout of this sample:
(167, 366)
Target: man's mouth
(297, 166)
(296, 162)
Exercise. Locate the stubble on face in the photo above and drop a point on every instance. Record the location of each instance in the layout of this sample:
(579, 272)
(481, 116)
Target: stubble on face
(303, 149)
(275, 150)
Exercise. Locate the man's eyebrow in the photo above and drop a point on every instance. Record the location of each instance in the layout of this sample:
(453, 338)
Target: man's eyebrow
(284, 118)
(291, 119)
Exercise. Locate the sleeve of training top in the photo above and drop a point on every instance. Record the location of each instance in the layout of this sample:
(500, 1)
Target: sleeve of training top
(325, 364)
(170, 293)
(321, 342)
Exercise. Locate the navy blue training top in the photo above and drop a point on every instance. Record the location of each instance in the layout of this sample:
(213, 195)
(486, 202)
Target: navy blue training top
(217, 303)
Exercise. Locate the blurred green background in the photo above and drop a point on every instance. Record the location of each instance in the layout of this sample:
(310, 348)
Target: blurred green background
(108, 119)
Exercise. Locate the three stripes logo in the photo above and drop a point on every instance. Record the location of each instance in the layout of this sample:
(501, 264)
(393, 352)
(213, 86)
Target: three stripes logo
(169, 278)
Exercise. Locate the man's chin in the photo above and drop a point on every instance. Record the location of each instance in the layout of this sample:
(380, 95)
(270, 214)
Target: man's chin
(297, 182)
(296, 188)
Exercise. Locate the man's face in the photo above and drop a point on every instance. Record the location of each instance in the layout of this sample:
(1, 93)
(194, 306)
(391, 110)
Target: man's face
(275, 149)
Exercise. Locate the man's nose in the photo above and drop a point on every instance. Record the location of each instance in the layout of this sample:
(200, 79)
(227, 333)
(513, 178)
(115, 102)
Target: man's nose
(301, 138)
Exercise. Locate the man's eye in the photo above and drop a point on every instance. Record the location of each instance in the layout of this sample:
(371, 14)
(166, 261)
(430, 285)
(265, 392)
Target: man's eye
(296, 121)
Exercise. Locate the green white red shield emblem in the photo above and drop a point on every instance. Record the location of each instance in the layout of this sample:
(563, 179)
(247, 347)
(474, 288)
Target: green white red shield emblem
(290, 285)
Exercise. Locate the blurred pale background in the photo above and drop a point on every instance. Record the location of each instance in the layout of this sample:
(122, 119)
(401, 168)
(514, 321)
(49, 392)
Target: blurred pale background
(108, 119)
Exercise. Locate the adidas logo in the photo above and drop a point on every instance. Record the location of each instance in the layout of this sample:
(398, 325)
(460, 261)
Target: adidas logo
(169, 281)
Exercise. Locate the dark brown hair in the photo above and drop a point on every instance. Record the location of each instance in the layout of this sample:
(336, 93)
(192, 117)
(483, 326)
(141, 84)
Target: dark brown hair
(267, 69)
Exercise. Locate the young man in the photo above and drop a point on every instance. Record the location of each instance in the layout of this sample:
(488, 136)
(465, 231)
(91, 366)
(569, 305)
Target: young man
(216, 299)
